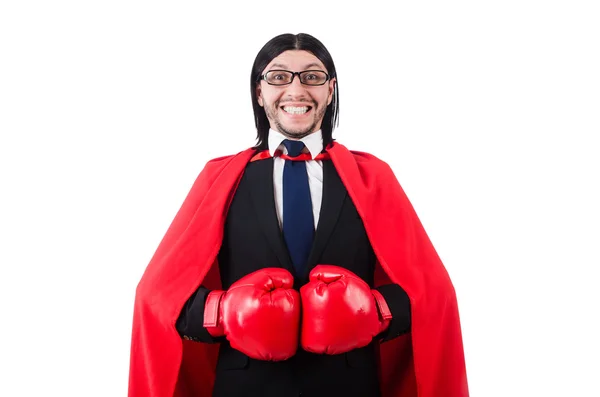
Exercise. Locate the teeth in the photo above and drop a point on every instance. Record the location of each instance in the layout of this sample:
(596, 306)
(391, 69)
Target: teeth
(295, 110)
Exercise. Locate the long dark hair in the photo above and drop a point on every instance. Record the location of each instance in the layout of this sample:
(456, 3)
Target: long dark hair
(272, 49)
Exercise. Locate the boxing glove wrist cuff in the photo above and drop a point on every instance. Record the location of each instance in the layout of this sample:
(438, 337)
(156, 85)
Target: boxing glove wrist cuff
(384, 310)
(211, 312)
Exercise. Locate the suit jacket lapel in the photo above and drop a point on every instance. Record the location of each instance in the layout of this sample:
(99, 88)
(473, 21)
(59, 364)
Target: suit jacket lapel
(263, 199)
(334, 194)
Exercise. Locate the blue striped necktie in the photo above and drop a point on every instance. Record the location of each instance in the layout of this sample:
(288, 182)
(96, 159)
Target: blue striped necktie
(298, 222)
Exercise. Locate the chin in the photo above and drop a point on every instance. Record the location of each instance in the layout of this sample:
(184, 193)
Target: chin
(297, 132)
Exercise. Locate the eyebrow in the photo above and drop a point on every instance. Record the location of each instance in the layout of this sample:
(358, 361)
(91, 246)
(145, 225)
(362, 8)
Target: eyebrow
(306, 67)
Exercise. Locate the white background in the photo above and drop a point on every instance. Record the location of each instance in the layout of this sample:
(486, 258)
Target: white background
(109, 109)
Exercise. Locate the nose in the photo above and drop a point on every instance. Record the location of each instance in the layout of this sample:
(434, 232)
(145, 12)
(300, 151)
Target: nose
(295, 88)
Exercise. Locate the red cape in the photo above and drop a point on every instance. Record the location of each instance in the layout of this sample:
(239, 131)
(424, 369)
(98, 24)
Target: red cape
(428, 362)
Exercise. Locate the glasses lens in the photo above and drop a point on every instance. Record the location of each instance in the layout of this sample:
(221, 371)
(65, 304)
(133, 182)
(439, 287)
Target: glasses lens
(313, 77)
(278, 77)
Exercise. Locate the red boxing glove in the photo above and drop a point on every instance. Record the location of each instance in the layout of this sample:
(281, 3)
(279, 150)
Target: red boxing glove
(259, 314)
(340, 312)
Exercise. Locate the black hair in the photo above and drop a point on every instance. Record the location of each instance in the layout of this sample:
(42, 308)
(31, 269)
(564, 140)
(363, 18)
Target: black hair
(271, 50)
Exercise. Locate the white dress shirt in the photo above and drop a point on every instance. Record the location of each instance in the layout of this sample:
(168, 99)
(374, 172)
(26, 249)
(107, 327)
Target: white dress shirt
(314, 169)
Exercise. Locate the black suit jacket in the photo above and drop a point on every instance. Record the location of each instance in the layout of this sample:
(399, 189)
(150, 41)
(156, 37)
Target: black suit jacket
(253, 240)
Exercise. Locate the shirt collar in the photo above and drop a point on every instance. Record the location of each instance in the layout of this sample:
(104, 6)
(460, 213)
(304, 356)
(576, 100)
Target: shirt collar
(313, 142)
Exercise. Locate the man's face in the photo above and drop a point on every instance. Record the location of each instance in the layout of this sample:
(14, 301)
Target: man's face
(284, 104)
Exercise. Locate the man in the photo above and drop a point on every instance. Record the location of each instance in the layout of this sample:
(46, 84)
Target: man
(297, 267)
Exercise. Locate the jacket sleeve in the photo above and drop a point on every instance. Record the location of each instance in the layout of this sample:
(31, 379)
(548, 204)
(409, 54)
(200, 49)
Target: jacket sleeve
(399, 305)
(189, 325)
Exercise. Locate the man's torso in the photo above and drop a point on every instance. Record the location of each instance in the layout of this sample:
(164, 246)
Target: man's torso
(253, 240)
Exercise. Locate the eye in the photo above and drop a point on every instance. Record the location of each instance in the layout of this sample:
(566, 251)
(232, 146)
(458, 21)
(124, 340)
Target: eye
(314, 77)
(278, 77)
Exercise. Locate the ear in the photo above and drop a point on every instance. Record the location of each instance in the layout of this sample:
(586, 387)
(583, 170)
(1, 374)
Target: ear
(332, 84)
(259, 95)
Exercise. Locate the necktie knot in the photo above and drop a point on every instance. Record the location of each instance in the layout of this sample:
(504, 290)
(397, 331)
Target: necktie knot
(294, 148)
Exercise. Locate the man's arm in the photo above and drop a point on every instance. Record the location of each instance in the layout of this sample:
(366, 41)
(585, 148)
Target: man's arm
(399, 305)
(191, 319)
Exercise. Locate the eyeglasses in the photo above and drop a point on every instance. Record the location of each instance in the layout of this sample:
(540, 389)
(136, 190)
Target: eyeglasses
(285, 77)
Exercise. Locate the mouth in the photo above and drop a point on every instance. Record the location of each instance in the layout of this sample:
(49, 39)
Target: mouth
(296, 111)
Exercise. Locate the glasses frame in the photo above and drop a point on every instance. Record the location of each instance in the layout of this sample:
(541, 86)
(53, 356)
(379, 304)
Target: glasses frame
(264, 77)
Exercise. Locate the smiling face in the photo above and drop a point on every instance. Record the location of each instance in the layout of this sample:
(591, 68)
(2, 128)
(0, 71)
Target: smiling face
(295, 110)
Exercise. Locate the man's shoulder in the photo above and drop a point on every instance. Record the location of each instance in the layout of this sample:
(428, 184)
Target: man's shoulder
(221, 159)
(226, 159)
(366, 159)
(223, 164)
